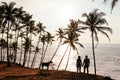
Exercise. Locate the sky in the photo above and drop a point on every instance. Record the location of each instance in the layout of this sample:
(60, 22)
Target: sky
(55, 14)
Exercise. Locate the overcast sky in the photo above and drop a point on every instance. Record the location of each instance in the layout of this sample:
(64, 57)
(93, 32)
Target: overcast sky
(56, 13)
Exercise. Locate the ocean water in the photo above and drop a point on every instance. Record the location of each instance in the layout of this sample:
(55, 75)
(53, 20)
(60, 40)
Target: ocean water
(107, 59)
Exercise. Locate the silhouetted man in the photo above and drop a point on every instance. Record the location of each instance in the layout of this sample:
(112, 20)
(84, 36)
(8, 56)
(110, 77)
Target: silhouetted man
(86, 64)
(79, 64)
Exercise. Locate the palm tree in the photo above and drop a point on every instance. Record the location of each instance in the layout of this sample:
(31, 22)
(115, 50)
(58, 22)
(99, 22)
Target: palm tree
(9, 18)
(14, 46)
(1, 27)
(26, 21)
(2, 33)
(22, 36)
(60, 34)
(17, 27)
(4, 45)
(49, 40)
(31, 30)
(71, 38)
(42, 39)
(26, 45)
(113, 3)
(94, 21)
(35, 56)
(40, 29)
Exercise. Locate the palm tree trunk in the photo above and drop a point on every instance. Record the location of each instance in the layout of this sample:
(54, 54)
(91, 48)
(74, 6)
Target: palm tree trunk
(45, 52)
(34, 59)
(24, 59)
(41, 56)
(29, 57)
(2, 49)
(55, 51)
(21, 52)
(62, 57)
(8, 60)
(68, 59)
(16, 40)
(93, 54)
(35, 55)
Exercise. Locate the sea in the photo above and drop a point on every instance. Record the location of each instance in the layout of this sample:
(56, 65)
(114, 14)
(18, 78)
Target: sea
(107, 58)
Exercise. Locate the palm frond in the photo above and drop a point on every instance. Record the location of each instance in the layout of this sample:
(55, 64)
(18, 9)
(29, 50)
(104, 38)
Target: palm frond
(106, 29)
(113, 3)
(105, 34)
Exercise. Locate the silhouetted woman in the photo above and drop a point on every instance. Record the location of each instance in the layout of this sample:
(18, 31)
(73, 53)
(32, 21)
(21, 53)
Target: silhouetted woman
(79, 64)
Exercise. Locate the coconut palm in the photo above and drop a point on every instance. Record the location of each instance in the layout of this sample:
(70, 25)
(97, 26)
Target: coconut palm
(113, 3)
(14, 46)
(4, 45)
(26, 44)
(94, 21)
(49, 40)
(40, 29)
(35, 56)
(27, 21)
(2, 31)
(60, 34)
(71, 38)
(17, 27)
(31, 30)
(22, 36)
(42, 39)
(9, 18)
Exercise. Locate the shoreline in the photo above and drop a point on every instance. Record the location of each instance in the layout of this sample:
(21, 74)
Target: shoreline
(16, 72)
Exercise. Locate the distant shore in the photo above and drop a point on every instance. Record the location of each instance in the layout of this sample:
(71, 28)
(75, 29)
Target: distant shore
(16, 72)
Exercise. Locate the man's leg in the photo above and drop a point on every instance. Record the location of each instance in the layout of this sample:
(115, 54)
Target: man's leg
(87, 71)
(77, 69)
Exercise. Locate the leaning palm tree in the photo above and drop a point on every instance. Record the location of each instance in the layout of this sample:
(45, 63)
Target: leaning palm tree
(94, 21)
(40, 29)
(71, 38)
(42, 39)
(49, 40)
(60, 34)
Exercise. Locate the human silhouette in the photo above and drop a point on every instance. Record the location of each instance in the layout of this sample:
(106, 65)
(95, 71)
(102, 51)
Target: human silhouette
(79, 64)
(86, 64)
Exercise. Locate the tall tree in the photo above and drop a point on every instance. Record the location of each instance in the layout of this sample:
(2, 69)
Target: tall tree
(26, 44)
(49, 40)
(31, 30)
(40, 29)
(60, 33)
(42, 39)
(94, 21)
(17, 28)
(71, 38)
(9, 19)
